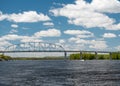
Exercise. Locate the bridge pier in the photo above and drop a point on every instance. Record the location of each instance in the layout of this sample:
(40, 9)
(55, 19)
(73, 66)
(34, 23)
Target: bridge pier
(96, 56)
(81, 55)
(2, 53)
(65, 54)
(110, 55)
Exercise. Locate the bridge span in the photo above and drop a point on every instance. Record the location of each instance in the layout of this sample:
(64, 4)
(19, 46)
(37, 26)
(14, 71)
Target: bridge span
(47, 47)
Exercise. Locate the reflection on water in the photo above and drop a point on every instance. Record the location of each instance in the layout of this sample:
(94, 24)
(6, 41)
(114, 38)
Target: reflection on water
(60, 73)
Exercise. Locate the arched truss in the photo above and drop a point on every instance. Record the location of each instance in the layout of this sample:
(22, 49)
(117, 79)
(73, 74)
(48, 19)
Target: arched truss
(35, 47)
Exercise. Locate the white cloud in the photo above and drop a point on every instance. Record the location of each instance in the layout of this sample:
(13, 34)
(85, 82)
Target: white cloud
(12, 37)
(48, 24)
(48, 33)
(13, 31)
(2, 16)
(76, 32)
(26, 28)
(80, 33)
(118, 47)
(98, 44)
(14, 25)
(85, 36)
(110, 6)
(30, 39)
(74, 47)
(26, 16)
(8, 39)
(82, 41)
(3, 44)
(91, 44)
(58, 4)
(34, 38)
(73, 39)
(61, 41)
(4, 40)
(78, 40)
(88, 15)
(109, 35)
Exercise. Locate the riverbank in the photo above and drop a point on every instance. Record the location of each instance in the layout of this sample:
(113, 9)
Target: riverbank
(5, 58)
(89, 56)
(38, 58)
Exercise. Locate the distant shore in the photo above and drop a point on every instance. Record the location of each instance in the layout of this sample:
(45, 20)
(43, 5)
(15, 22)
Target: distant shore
(38, 58)
(5, 58)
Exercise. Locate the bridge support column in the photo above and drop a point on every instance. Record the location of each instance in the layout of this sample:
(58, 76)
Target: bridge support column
(96, 56)
(2, 53)
(81, 55)
(110, 55)
(65, 54)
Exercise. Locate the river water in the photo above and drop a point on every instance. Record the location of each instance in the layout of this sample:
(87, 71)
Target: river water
(60, 73)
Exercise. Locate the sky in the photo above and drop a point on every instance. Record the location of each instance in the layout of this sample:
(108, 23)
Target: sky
(74, 24)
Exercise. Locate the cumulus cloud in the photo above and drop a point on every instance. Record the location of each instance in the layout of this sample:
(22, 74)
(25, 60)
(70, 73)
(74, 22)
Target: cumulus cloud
(13, 31)
(37, 37)
(90, 14)
(48, 33)
(48, 24)
(98, 44)
(85, 36)
(109, 35)
(75, 47)
(73, 39)
(30, 39)
(7, 40)
(12, 37)
(61, 41)
(80, 33)
(14, 26)
(110, 6)
(76, 32)
(2, 16)
(26, 16)
(34, 38)
(3, 44)
(92, 44)
(118, 47)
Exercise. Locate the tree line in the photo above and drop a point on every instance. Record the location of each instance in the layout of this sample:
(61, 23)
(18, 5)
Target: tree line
(5, 58)
(91, 56)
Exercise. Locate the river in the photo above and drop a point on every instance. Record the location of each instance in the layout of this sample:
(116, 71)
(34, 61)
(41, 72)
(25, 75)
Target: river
(60, 73)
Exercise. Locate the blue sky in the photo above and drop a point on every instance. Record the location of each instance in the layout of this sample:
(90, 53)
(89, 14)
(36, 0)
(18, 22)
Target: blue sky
(74, 24)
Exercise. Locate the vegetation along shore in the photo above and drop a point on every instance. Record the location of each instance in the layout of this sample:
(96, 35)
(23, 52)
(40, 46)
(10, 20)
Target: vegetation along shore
(89, 56)
(5, 58)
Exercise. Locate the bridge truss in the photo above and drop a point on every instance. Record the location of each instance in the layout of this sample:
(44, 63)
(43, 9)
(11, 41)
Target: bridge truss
(34, 47)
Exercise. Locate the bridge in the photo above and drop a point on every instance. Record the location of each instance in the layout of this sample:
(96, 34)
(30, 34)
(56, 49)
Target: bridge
(46, 47)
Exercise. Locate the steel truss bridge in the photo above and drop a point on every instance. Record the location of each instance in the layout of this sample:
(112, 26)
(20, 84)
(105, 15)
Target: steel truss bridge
(45, 47)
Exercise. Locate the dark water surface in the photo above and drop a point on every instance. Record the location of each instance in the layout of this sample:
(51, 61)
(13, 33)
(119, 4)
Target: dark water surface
(60, 73)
